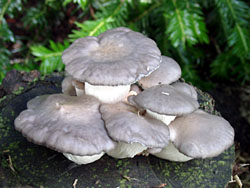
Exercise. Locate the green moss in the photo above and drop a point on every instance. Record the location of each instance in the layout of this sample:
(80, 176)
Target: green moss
(19, 91)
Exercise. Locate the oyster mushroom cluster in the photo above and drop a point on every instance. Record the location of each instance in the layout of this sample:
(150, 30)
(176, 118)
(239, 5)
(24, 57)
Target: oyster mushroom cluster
(122, 97)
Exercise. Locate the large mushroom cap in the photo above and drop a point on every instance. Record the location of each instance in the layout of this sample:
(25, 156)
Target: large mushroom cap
(66, 124)
(168, 72)
(201, 135)
(116, 57)
(165, 99)
(125, 124)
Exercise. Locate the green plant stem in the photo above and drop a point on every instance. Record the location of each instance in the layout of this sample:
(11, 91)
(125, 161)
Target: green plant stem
(157, 4)
(180, 21)
(4, 10)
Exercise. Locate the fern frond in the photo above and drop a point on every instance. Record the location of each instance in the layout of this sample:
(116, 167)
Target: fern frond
(227, 65)
(186, 26)
(111, 16)
(235, 17)
(221, 67)
(35, 17)
(50, 58)
(239, 41)
(4, 61)
(5, 33)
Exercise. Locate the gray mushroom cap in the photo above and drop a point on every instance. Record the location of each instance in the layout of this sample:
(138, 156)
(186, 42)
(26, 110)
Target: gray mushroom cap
(124, 124)
(201, 135)
(66, 124)
(168, 72)
(186, 88)
(165, 99)
(116, 57)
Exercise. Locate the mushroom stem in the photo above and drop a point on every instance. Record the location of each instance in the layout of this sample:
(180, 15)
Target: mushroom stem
(171, 153)
(164, 118)
(83, 159)
(107, 94)
(79, 87)
(126, 150)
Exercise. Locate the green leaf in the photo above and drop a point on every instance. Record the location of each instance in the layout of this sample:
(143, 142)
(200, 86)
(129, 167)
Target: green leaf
(50, 57)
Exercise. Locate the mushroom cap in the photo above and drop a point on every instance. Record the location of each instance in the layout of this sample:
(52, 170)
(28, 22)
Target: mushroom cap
(168, 72)
(201, 135)
(67, 124)
(186, 88)
(116, 57)
(125, 124)
(165, 99)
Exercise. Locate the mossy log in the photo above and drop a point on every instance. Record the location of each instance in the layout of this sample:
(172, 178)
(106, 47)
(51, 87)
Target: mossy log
(24, 163)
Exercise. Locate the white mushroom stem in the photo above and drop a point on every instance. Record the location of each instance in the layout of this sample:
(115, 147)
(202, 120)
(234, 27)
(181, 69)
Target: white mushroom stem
(126, 150)
(107, 94)
(79, 87)
(171, 153)
(83, 159)
(164, 118)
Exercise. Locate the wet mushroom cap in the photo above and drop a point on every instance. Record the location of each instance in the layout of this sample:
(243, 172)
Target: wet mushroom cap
(125, 124)
(165, 99)
(201, 135)
(168, 72)
(67, 124)
(116, 57)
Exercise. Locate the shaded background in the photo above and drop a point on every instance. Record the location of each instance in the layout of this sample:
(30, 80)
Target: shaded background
(209, 39)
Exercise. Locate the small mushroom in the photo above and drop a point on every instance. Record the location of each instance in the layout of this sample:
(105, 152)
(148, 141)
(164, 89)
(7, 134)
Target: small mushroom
(164, 102)
(186, 88)
(67, 86)
(168, 72)
(67, 124)
(197, 135)
(79, 87)
(133, 132)
(110, 63)
(72, 87)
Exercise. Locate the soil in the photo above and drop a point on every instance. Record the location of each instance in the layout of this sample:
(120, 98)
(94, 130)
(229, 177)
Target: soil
(233, 102)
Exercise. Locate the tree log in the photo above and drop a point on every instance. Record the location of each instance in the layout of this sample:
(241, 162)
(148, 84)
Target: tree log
(26, 164)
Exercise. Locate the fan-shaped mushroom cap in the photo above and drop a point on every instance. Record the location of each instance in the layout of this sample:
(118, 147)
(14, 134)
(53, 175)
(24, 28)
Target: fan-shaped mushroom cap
(201, 135)
(168, 72)
(125, 124)
(165, 99)
(116, 57)
(66, 124)
(186, 88)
